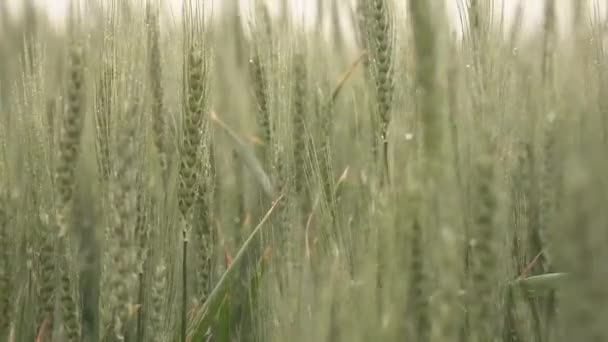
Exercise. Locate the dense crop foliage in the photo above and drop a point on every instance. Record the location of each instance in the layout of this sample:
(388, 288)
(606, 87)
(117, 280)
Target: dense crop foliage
(228, 177)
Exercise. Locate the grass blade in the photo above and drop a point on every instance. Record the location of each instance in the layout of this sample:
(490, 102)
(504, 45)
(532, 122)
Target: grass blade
(203, 316)
(542, 281)
(346, 76)
(245, 308)
(248, 156)
(222, 329)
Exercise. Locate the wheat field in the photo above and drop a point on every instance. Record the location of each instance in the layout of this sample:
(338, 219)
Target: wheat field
(205, 177)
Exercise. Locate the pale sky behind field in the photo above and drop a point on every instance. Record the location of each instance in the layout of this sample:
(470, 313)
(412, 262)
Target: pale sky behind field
(533, 8)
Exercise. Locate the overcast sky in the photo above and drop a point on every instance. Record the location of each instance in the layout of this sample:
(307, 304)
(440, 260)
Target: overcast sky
(533, 8)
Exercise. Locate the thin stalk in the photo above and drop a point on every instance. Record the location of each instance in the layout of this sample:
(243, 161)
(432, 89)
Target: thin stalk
(184, 287)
